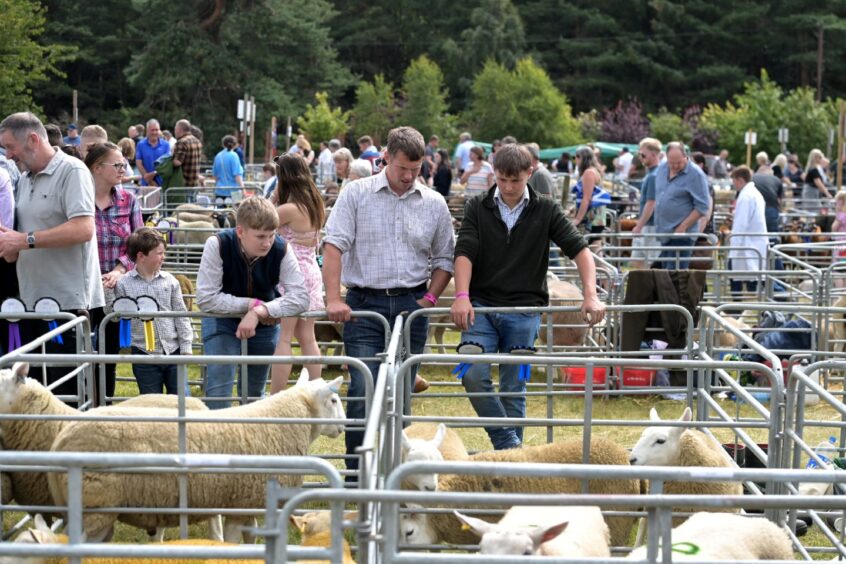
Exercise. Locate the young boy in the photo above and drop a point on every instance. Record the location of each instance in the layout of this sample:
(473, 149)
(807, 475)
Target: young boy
(173, 335)
(241, 272)
(501, 259)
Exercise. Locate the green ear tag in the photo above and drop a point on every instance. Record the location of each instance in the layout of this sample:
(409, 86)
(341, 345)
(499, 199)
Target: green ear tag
(685, 548)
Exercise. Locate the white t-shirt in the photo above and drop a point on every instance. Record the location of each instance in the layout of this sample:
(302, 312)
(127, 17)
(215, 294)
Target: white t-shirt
(625, 162)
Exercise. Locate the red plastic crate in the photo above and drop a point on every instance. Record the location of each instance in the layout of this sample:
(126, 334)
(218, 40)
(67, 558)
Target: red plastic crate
(578, 375)
(638, 377)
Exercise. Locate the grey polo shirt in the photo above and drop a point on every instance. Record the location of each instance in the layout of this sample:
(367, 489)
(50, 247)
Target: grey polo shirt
(71, 275)
(675, 198)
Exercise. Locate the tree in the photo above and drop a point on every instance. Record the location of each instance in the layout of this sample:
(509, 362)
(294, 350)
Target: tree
(26, 62)
(523, 103)
(424, 106)
(624, 123)
(374, 110)
(320, 122)
(666, 126)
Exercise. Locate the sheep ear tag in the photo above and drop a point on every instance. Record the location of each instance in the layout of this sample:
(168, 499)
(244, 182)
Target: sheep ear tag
(126, 308)
(148, 304)
(47, 307)
(9, 308)
(335, 385)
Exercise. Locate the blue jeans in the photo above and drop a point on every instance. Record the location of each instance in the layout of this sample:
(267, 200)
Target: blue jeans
(500, 332)
(667, 259)
(219, 339)
(365, 338)
(152, 378)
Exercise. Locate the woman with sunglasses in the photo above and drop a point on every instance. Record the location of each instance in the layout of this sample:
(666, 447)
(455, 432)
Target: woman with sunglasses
(116, 215)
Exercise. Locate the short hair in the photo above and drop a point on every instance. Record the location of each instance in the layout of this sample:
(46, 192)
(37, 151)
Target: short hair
(408, 140)
(334, 145)
(678, 145)
(762, 158)
(343, 154)
(743, 172)
(54, 134)
(196, 132)
(534, 150)
(144, 240)
(21, 124)
(361, 167)
(153, 120)
(229, 142)
(651, 144)
(93, 134)
(465, 136)
(512, 160)
(699, 158)
(182, 124)
(365, 139)
(434, 138)
(167, 134)
(257, 213)
(141, 129)
(97, 152)
(478, 151)
(127, 148)
(269, 167)
(508, 140)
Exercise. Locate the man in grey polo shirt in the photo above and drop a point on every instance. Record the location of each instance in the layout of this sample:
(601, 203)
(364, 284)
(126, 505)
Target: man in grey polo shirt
(55, 244)
(681, 198)
(387, 231)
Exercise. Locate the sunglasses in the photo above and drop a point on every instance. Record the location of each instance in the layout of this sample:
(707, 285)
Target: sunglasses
(117, 166)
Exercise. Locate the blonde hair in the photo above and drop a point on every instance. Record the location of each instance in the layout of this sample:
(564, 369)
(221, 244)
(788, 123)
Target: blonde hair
(93, 134)
(840, 199)
(651, 144)
(814, 158)
(780, 161)
(762, 158)
(257, 213)
(303, 143)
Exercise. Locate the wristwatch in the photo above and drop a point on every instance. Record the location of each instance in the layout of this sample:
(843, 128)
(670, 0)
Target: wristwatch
(30, 239)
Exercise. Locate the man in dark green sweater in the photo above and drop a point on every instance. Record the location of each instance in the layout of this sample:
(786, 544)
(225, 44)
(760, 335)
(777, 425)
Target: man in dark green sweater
(501, 259)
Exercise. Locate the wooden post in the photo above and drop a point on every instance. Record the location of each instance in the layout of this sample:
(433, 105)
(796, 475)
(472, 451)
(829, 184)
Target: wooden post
(749, 148)
(820, 51)
(269, 144)
(841, 139)
(75, 107)
(252, 128)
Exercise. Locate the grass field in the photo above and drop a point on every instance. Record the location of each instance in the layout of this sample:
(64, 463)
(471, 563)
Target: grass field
(571, 408)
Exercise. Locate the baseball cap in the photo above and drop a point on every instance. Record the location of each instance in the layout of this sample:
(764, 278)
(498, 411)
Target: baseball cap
(72, 126)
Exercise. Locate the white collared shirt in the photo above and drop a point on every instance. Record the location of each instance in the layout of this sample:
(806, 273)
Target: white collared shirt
(509, 215)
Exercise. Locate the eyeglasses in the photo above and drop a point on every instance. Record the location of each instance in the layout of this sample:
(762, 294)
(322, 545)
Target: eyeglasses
(642, 155)
(118, 166)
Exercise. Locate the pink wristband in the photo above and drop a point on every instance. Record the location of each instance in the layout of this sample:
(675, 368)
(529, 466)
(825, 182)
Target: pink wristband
(256, 302)
(462, 295)
(430, 298)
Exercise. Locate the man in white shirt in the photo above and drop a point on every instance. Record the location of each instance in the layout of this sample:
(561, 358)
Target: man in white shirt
(623, 163)
(462, 152)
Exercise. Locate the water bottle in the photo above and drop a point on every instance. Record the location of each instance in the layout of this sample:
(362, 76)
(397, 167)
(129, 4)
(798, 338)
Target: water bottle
(829, 447)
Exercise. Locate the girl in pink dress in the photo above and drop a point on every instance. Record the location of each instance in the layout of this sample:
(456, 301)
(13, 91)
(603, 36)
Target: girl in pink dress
(301, 217)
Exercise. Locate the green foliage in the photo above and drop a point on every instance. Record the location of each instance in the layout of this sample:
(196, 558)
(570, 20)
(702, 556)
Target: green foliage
(666, 126)
(424, 107)
(320, 122)
(590, 125)
(375, 109)
(763, 107)
(523, 103)
(25, 62)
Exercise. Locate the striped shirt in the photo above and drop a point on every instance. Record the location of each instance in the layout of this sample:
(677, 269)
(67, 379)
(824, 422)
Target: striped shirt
(172, 334)
(509, 215)
(114, 226)
(390, 241)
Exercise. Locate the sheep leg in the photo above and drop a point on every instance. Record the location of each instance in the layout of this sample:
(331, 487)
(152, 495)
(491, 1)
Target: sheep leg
(232, 529)
(250, 538)
(98, 527)
(159, 535)
(216, 528)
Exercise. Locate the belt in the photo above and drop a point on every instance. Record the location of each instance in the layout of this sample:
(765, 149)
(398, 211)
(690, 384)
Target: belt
(390, 291)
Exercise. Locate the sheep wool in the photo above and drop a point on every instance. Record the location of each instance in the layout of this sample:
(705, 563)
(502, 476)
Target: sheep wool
(452, 447)
(186, 542)
(602, 451)
(315, 530)
(205, 490)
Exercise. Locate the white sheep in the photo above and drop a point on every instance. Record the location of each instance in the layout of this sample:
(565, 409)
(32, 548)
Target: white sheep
(42, 534)
(429, 442)
(431, 528)
(717, 536)
(544, 530)
(26, 396)
(679, 446)
(316, 531)
(307, 400)
(193, 232)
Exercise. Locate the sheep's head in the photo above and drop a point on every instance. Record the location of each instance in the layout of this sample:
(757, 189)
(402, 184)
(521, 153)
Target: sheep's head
(499, 539)
(316, 522)
(11, 381)
(40, 534)
(415, 527)
(427, 451)
(658, 446)
(325, 401)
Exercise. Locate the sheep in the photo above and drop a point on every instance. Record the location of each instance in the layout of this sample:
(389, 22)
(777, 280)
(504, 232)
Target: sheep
(717, 536)
(424, 528)
(193, 212)
(193, 232)
(42, 534)
(187, 288)
(308, 399)
(21, 395)
(544, 530)
(428, 442)
(678, 446)
(315, 529)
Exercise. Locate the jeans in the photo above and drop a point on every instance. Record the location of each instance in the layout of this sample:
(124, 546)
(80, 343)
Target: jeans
(365, 338)
(500, 332)
(152, 378)
(667, 259)
(219, 339)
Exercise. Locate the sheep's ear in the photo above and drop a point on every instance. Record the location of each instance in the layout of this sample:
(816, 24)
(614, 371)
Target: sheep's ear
(41, 524)
(541, 535)
(303, 379)
(439, 435)
(476, 525)
(406, 444)
(20, 370)
(335, 385)
(653, 415)
(298, 522)
(686, 415)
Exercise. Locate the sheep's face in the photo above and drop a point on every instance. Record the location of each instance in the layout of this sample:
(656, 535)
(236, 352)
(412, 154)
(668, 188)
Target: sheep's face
(415, 529)
(11, 381)
(327, 403)
(658, 446)
(501, 539)
(425, 451)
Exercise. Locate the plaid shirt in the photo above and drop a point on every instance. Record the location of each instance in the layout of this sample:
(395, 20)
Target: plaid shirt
(509, 215)
(189, 151)
(172, 334)
(114, 226)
